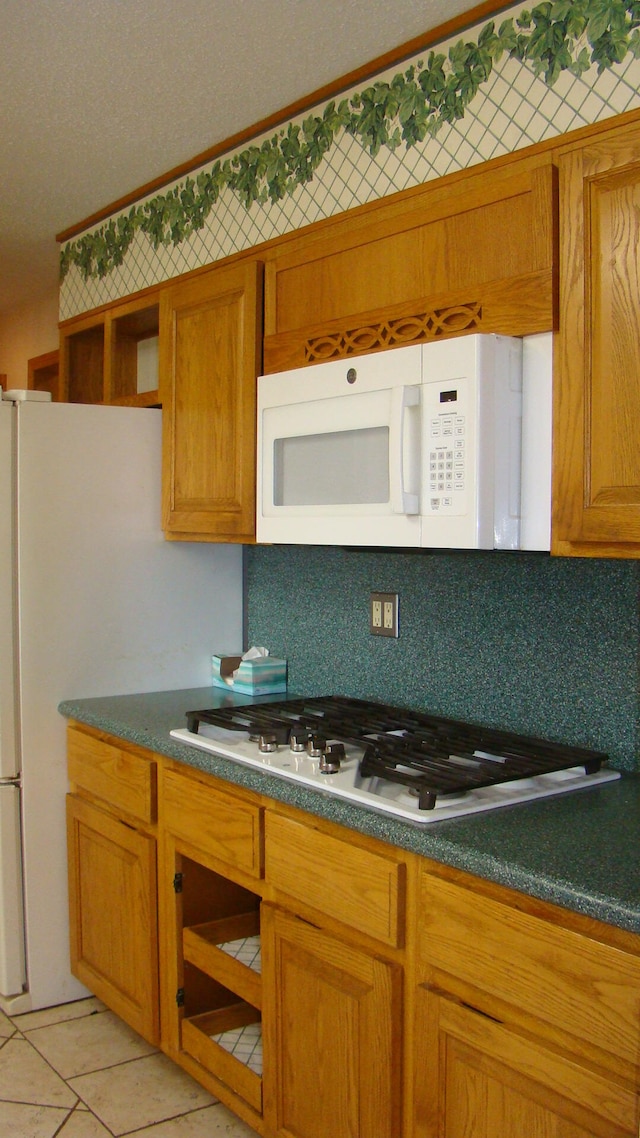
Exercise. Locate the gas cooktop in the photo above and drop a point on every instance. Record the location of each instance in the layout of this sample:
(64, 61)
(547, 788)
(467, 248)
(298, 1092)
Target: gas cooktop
(393, 760)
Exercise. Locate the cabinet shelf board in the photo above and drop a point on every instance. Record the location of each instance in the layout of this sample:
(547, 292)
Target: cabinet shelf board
(141, 399)
(196, 1033)
(231, 928)
(139, 323)
(201, 948)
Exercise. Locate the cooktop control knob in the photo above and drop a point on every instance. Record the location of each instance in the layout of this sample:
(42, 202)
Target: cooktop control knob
(331, 759)
(267, 744)
(298, 739)
(316, 746)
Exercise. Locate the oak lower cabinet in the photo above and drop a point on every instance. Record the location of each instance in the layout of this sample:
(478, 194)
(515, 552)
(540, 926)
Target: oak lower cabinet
(332, 1026)
(321, 982)
(489, 1080)
(333, 940)
(596, 475)
(112, 877)
(210, 358)
(210, 901)
(289, 1022)
(523, 1026)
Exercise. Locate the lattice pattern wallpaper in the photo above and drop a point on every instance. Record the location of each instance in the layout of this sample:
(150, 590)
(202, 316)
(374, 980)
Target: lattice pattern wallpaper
(523, 77)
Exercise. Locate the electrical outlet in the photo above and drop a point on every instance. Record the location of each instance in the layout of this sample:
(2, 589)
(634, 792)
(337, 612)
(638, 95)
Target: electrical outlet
(383, 614)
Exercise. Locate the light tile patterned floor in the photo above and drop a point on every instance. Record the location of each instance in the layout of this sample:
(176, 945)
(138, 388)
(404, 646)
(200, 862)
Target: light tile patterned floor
(77, 1071)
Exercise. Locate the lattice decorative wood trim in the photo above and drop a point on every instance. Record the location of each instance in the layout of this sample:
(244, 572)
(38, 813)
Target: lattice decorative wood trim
(391, 333)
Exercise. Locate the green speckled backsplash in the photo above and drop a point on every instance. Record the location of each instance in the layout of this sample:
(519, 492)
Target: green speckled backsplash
(548, 646)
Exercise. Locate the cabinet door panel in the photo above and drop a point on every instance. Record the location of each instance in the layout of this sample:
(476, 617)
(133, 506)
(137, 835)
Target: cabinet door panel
(332, 1059)
(209, 362)
(476, 1078)
(114, 932)
(597, 397)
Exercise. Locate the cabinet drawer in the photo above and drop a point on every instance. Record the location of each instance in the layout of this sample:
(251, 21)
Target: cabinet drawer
(572, 986)
(215, 822)
(127, 780)
(361, 888)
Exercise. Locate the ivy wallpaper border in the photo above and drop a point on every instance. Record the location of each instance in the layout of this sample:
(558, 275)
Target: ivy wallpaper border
(413, 106)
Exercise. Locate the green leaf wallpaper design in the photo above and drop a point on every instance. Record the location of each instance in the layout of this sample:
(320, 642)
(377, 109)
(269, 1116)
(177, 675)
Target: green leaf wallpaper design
(552, 37)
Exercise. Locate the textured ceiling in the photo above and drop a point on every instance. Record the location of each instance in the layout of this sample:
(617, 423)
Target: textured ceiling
(99, 97)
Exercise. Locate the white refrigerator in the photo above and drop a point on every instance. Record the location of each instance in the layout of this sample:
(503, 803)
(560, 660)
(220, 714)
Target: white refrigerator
(93, 601)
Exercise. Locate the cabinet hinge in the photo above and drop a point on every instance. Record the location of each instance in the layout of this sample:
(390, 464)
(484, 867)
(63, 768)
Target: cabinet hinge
(177, 883)
(180, 997)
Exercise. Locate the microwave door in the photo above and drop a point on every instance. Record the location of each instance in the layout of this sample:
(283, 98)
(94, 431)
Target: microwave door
(342, 470)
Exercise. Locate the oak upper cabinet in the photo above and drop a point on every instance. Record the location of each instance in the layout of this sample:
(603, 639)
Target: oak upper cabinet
(111, 816)
(82, 360)
(210, 334)
(473, 252)
(523, 1025)
(332, 1016)
(43, 374)
(111, 355)
(596, 500)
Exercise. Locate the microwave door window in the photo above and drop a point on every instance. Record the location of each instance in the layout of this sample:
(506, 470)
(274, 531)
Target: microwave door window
(336, 468)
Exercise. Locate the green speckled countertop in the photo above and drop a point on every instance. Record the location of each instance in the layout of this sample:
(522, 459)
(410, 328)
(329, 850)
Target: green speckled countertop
(578, 850)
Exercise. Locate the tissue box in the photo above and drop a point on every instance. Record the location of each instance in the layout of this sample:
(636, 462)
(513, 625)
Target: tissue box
(264, 676)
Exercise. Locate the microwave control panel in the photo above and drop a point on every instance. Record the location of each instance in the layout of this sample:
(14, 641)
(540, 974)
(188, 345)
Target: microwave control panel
(449, 451)
(471, 430)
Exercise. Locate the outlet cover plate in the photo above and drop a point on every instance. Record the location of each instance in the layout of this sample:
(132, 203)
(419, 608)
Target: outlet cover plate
(383, 614)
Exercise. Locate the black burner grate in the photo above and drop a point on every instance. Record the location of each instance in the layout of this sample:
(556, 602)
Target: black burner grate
(430, 755)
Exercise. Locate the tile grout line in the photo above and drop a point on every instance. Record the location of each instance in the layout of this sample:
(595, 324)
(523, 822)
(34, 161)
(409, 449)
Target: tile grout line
(80, 1106)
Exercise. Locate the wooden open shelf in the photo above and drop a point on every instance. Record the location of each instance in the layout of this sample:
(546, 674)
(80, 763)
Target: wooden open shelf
(112, 356)
(43, 373)
(201, 948)
(196, 1039)
(134, 328)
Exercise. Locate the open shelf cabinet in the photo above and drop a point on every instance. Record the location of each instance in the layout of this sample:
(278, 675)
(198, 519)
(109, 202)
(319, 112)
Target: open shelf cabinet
(112, 356)
(43, 374)
(219, 994)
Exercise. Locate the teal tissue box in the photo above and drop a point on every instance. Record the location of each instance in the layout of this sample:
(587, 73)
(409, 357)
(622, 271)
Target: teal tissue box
(264, 676)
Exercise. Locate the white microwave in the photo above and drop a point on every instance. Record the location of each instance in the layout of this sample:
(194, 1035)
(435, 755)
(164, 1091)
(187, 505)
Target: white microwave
(444, 445)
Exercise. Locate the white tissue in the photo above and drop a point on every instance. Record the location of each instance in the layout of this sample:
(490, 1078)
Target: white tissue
(253, 653)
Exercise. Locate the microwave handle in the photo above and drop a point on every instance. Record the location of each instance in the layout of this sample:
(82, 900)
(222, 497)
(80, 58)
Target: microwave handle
(402, 502)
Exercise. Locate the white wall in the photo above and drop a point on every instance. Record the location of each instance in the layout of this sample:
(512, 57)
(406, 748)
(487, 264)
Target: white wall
(26, 331)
